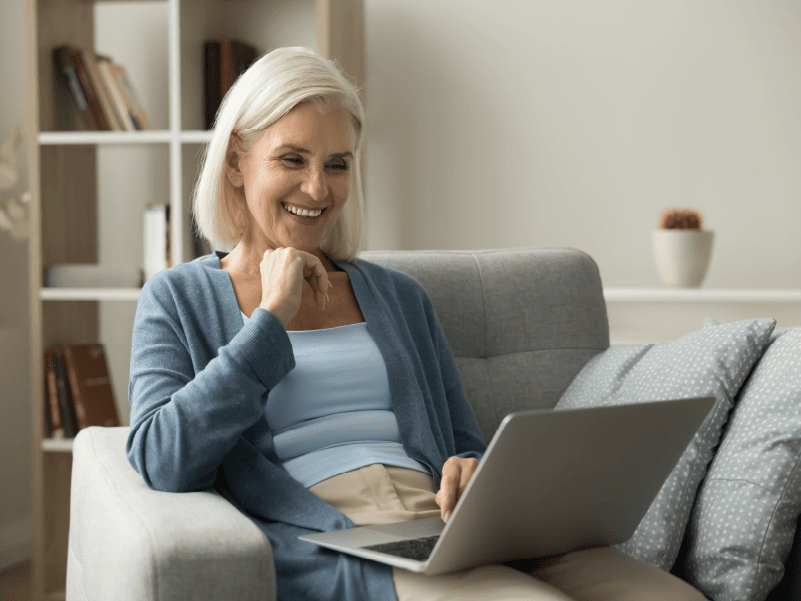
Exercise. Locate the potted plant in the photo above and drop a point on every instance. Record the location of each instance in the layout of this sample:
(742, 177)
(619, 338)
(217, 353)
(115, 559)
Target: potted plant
(682, 247)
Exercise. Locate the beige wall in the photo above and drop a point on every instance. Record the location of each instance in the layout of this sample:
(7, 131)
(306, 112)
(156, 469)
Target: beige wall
(15, 415)
(575, 123)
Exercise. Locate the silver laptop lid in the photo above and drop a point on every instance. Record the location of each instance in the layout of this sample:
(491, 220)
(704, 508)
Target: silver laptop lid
(556, 481)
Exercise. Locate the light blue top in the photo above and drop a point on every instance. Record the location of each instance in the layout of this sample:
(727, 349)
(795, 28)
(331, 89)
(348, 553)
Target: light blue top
(333, 412)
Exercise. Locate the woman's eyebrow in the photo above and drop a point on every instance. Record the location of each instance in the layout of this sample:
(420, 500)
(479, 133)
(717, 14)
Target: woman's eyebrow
(301, 150)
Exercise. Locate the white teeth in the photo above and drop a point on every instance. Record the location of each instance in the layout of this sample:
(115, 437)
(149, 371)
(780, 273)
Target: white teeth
(302, 212)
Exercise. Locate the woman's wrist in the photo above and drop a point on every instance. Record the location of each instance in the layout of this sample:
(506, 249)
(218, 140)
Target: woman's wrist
(276, 312)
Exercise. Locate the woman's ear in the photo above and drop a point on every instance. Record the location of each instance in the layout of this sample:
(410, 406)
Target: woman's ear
(232, 170)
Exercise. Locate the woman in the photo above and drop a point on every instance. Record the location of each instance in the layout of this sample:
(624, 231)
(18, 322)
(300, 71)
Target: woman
(314, 390)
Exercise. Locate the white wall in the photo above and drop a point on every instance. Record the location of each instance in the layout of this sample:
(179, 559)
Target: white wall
(15, 392)
(575, 123)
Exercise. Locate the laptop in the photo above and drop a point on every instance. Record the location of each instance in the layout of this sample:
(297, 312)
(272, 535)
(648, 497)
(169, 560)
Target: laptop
(550, 482)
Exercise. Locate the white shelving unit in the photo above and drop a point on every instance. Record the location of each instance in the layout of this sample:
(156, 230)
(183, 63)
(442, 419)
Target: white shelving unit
(701, 295)
(89, 294)
(657, 315)
(71, 212)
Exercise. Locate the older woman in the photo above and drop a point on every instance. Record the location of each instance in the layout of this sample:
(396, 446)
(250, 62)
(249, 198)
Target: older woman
(314, 390)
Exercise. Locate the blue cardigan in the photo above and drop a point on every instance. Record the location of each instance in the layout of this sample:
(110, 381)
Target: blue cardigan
(199, 383)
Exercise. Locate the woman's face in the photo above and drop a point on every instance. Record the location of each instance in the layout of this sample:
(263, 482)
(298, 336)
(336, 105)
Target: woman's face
(296, 178)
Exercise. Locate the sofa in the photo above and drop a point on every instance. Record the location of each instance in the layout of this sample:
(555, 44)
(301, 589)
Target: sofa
(527, 327)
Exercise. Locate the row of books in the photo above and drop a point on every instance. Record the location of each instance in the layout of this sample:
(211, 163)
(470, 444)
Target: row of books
(106, 100)
(101, 89)
(78, 391)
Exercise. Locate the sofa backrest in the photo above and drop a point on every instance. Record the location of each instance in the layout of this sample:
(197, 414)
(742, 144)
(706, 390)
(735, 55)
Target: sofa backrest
(521, 323)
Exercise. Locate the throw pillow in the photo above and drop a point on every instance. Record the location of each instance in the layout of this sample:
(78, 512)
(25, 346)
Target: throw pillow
(709, 362)
(742, 526)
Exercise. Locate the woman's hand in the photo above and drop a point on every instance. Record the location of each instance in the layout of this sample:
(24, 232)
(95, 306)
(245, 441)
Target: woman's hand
(282, 273)
(456, 473)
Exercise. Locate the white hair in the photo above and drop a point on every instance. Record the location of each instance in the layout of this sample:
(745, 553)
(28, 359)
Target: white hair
(268, 90)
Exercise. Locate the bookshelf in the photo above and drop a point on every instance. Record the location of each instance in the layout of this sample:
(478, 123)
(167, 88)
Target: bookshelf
(76, 214)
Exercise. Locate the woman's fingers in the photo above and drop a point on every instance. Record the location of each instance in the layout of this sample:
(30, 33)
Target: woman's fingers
(456, 474)
(283, 271)
(317, 276)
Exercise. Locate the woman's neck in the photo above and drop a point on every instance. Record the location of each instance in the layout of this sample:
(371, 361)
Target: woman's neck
(246, 259)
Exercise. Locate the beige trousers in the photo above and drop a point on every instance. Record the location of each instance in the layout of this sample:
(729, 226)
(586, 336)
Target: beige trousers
(379, 494)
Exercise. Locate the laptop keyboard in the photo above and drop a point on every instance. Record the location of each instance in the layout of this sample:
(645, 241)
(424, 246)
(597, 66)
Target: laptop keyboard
(413, 548)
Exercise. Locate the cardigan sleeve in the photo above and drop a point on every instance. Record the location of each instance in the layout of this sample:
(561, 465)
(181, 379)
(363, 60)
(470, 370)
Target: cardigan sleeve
(467, 435)
(186, 415)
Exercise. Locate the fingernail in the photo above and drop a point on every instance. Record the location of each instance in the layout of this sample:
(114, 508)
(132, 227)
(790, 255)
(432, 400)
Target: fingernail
(447, 516)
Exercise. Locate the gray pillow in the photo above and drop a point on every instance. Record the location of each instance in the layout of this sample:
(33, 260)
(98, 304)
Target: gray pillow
(744, 519)
(709, 362)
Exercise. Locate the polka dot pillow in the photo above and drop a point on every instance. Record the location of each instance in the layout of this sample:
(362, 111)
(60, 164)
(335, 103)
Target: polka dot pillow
(709, 362)
(744, 519)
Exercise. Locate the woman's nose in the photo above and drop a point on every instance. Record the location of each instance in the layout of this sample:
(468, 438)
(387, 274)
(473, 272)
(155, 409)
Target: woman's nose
(314, 184)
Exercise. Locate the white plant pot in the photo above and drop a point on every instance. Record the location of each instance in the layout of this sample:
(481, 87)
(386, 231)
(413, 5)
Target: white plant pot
(682, 256)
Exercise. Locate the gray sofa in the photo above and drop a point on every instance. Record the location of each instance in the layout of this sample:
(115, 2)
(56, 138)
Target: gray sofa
(521, 324)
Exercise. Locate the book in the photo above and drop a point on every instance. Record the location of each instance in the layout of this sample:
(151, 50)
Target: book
(92, 68)
(225, 61)
(90, 384)
(65, 400)
(88, 89)
(136, 110)
(59, 407)
(67, 74)
(117, 100)
(47, 422)
(53, 425)
(157, 238)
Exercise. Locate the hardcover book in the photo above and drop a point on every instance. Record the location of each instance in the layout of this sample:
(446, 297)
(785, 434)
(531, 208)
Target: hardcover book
(90, 384)
(225, 60)
(67, 71)
(52, 407)
(104, 99)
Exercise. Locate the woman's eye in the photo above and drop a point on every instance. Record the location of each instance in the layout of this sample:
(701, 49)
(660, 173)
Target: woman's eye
(293, 160)
(339, 166)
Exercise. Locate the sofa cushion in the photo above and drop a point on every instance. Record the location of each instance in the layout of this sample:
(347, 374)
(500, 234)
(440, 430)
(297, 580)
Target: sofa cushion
(744, 519)
(709, 362)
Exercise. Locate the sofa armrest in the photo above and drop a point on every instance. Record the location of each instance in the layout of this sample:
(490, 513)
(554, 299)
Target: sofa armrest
(127, 541)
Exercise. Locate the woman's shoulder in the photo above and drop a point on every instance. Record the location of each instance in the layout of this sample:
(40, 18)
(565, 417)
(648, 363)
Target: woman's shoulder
(185, 280)
(390, 278)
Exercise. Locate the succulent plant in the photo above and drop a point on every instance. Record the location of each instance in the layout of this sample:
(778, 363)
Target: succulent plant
(681, 219)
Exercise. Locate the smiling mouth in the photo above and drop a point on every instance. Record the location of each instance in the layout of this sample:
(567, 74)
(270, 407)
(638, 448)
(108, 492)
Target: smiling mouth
(302, 212)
